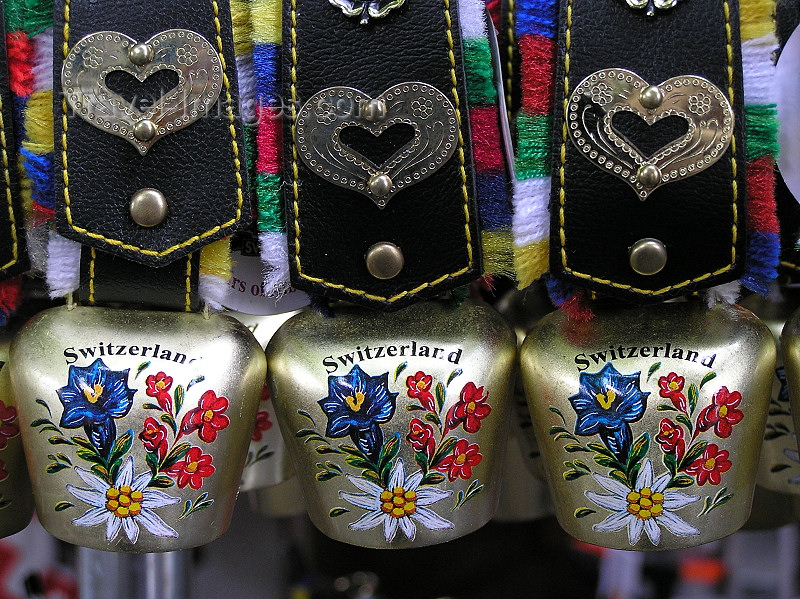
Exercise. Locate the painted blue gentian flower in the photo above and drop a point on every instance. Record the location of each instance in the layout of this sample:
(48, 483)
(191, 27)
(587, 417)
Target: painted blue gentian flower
(357, 405)
(606, 404)
(93, 398)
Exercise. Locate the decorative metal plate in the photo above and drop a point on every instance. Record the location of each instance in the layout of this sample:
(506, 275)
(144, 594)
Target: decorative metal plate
(185, 52)
(652, 5)
(323, 118)
(367, 8)
(604, 93)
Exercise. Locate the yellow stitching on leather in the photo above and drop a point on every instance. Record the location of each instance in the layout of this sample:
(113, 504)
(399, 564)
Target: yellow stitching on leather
(93, 255)
(295, 174)
(189, 283)
(234, 145)
(562, 177)
(510, 52)
(9, 198)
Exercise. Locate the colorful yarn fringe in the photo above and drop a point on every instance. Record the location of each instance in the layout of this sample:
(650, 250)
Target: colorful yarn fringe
(535, 32)
(30, 46)
(492, 184)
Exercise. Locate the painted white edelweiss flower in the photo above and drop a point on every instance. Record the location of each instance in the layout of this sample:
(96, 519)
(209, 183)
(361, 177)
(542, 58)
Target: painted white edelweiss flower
(398, 505)
(644, 507)
(124, 505)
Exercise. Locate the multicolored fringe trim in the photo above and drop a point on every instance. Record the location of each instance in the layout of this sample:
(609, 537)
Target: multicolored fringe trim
(492, 182)
(535, 31)
(30, 46)
(535, 27)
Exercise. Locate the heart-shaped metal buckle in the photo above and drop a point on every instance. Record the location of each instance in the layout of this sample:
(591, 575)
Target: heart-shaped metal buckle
(189, 54)
(604, 93)
(327, 113)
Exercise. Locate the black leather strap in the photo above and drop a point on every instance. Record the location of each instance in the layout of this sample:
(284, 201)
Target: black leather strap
(596, 216)
(13, 256)
(108, 279)
(200, 169)
(433, 222)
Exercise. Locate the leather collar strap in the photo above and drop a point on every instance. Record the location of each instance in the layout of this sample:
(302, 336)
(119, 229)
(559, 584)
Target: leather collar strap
(13, 257)
(601, 209)
(411, 59)
(191, 150)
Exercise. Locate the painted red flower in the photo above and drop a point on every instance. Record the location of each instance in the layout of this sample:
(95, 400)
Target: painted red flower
(722, 413)
(460, 463)
(263, 424)
(671, 387)
(420, 436)
(419, 387)
(671, 438)
(710, 466)
(9, 427)
(3, 473)
(191, 471)
(154, 438)
(470, 409)
(209, 417)
(158, 386)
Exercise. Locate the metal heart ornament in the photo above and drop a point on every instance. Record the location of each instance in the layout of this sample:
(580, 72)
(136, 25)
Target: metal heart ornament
(367, 8)
(189, 54)
(327, 113)
(601, 95)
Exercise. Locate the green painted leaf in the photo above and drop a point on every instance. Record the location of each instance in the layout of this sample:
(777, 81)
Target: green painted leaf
(638, 450)
(619, 475)
(338, 511)
(352, 450)
(439, 392)
(389, 451)
(432, 478)
(445, 449)
(326, 475)
(161, 482)
(169, 421)
(433, 419)
(307, 416)
(305, 432)
(179, 395)
(333, 466)
(175, 455)
(563, 436)
(583, 512)
(60, 441)
(684, 420)
(357, 462)
(315, 437)
(141, 367)
(41, 402)
(152, 462)
(581, 466)
(325, 449)
(115, 466)
(414, 408)
(574, 447)
(694, 453)
(671, 462)
(454, 374)
(121, 447)
(64, 458)
(101, 471)
(373, 476)
(50, 429)
(555, 410)
(83, 442)
(680, 482)
(710, 376)
(655, 366)
(55, 467)
(666, 408)
(90, 456)
(779, 467)
(41, 422)
(605, 461)
(63, 505)
(193, 382)
(602, 449)
(772, 434)
(570, 475)
(693, 397)
(422, 461)
(400, 368)
(558, 429)
(152, 406)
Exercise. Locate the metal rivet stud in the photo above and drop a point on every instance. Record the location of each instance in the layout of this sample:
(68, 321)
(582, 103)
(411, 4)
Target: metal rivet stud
(651, 97)
(649, 175)
(384, 260)
(148, 207)
(648, 256)
(145, 130)
(374, 111)
(380, 185)
(140, 54)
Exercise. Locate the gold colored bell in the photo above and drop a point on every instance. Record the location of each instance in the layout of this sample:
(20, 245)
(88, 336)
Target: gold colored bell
(396, 423)
(790, 341)
(267, 461)
(135, 423)
(779, 465)
(650, 420)
(16, 499)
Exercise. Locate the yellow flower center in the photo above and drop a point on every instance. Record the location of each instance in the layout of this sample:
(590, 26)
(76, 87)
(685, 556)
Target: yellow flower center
(606, 399)
(93, 394)
(124, 502)
(398, 503)
(673, 386)
(471, 407)
(356, 402)
(710, 463)
(723, 411)
(421, 386)
(208, 415)
(192, 467)
(645, 504)
(160, 385)
(462, 457)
